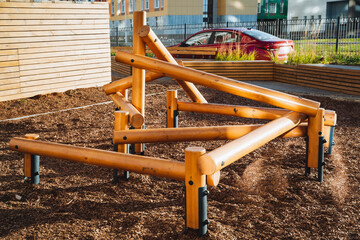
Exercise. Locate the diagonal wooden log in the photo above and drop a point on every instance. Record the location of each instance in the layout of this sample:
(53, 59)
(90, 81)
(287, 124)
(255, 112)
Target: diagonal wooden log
(160, 51)
(272, 97)
(223, 156)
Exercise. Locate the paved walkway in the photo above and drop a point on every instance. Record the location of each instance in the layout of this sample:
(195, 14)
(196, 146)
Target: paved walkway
(296, 89)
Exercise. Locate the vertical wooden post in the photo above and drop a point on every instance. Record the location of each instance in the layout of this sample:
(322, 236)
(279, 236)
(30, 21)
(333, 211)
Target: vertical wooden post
(171, 109)
(326, 134)
(315, 132)
(196, 191)
(121, 123)
(138, 87)
(32, 163)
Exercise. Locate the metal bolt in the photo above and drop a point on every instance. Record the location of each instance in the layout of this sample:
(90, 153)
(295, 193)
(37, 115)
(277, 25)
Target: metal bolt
(124, 137)
(191, 182)
(206, 192)
(132, 60)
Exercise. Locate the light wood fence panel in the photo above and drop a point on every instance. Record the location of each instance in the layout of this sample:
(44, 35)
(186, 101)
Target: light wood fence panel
(238, 70)
(52, 47)
(337, 79)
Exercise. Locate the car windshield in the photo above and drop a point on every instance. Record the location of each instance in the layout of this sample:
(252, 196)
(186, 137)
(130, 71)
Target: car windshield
(258, 35)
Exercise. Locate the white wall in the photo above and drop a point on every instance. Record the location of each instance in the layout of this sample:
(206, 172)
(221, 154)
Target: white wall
(302, 8)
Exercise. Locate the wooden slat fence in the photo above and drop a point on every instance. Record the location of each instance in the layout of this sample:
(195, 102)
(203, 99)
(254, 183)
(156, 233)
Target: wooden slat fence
(120, 67)
(52, 47)
(202, 52)
(238, 70)
(339, 79)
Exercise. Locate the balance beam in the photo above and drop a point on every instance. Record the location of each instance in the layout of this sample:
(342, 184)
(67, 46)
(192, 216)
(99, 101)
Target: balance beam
(127, 82)
(245, 111)
(224, 84)
(160, 51)
(223, 156)
(193, 134)
(136, 118)
(134, 163)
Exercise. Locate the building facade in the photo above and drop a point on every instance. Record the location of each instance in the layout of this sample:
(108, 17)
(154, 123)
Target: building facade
(180, 12)
(310, 9)
(272, 9)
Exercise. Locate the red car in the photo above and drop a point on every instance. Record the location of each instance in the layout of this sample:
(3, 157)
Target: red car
(246, 39)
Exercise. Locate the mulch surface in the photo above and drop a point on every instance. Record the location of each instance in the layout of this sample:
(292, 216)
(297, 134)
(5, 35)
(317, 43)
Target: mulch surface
(264, 195)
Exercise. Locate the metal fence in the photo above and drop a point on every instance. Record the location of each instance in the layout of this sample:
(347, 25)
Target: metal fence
(340, 35)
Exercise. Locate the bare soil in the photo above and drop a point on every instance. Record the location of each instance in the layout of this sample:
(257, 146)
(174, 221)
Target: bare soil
(264, 195)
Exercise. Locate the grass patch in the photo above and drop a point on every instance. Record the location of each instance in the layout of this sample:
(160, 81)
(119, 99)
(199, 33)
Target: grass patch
(227, 53)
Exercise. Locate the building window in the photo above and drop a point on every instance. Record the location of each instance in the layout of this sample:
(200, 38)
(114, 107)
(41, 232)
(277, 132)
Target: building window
(205, 11)
(319, 16)
(122, 6)
(131, 6)
(259, 8)
(282, 6)
(156, 4)
(119, 7)
(205, 6)
(266, 8)
(112, 8)
(272, 8)
(146, 4)
(142, 5)
(134, 5)
(162, 3)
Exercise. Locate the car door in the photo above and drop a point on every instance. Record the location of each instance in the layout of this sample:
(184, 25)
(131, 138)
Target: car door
(225, 41)
(201, 39)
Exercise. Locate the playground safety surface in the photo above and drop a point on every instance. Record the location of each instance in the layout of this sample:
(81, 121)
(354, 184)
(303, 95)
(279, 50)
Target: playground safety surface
(265, 195)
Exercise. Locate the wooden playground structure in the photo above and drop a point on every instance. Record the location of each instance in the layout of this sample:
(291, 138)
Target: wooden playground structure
(294, 117)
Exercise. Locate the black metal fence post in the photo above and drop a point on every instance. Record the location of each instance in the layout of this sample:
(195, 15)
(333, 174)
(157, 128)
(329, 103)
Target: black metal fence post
(117, 36)
(337, 35)
(185, 31)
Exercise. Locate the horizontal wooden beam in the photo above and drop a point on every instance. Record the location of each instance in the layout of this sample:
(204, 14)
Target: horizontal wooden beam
(134, 163)
(245, 111)
(193, 134)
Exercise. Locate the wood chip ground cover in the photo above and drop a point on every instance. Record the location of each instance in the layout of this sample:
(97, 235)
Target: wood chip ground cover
(265, 195)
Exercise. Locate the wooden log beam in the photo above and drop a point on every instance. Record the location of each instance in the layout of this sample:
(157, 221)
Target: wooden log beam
(245, 111)
(127, 82)
(136, 118)
(134, 163)
(162, 53)
(223, 156)
(194, 134)
(242, 89)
